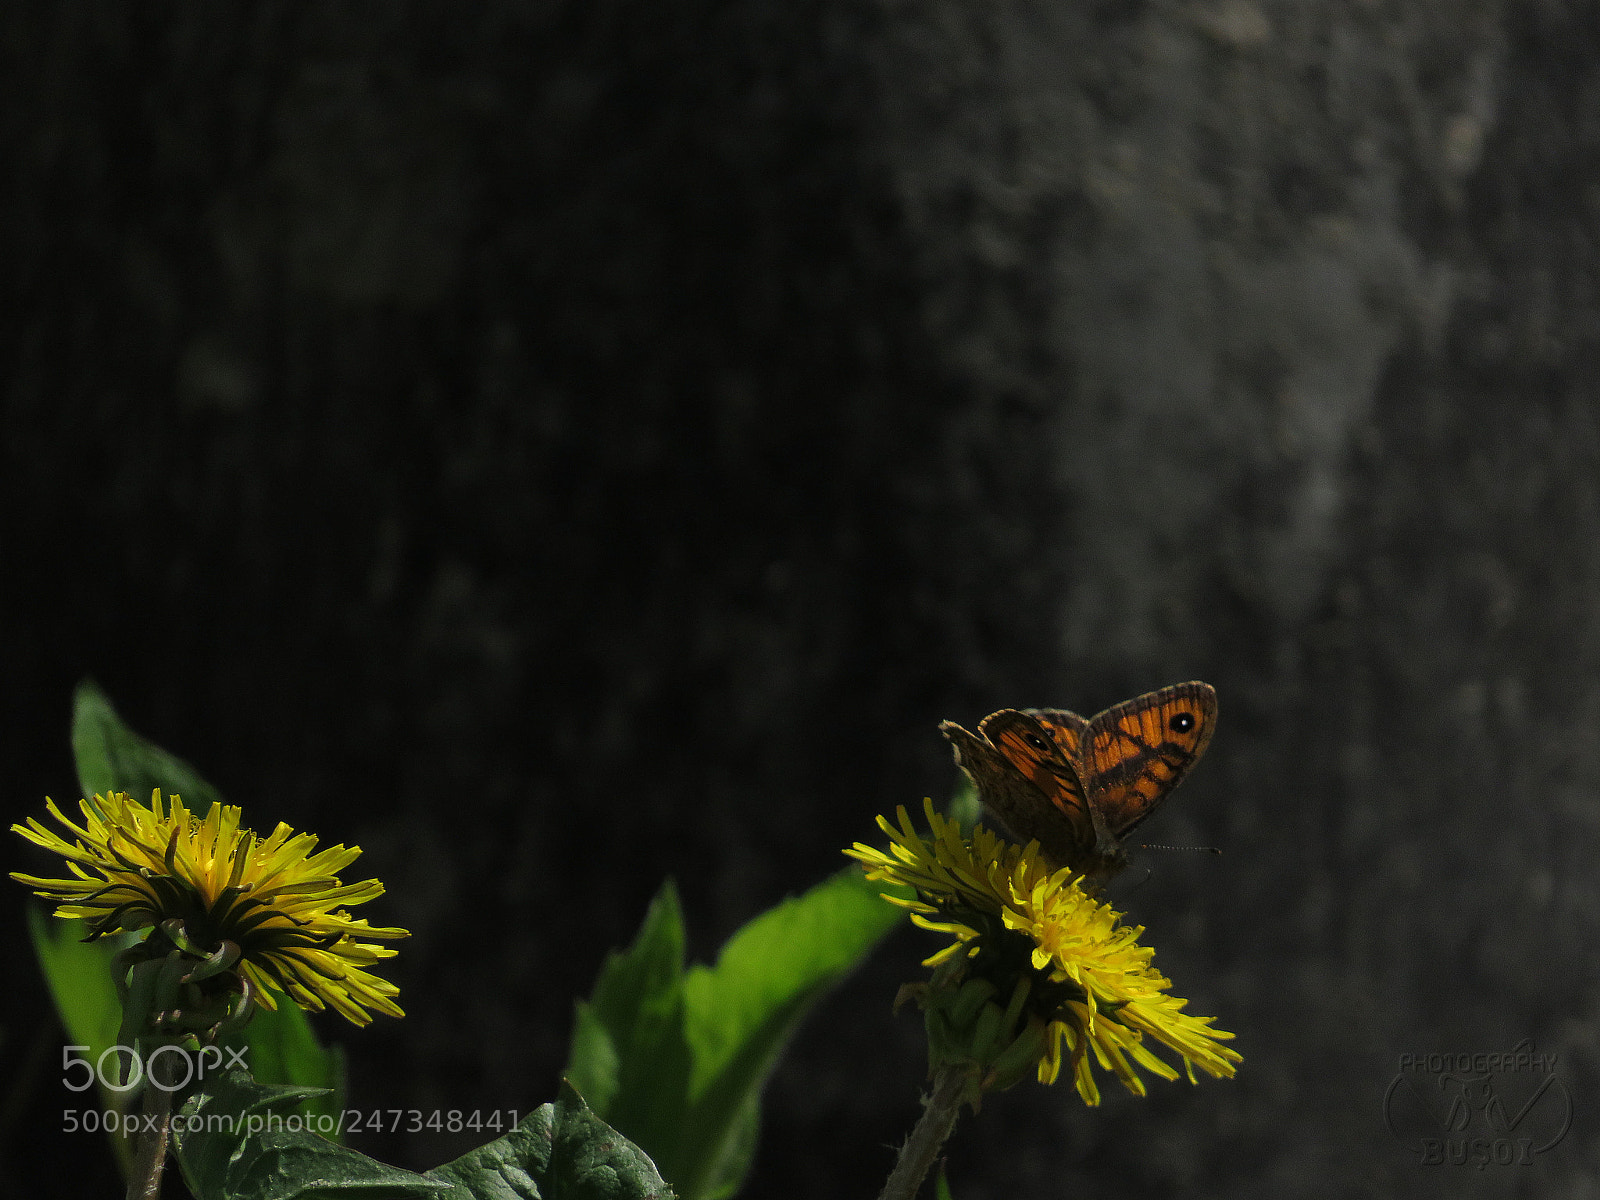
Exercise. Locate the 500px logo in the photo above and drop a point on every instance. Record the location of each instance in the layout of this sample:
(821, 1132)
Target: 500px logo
(122, 1068)
(1511, 1100)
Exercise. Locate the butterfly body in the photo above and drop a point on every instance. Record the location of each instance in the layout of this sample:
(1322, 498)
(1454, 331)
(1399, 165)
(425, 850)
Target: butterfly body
(1080, 785)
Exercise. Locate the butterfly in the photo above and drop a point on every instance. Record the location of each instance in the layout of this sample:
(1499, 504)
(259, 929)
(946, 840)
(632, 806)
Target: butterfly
(1081, 786)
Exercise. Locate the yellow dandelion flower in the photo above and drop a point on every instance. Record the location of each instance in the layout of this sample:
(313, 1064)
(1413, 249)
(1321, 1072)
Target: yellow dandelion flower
(1088, 992)
(209, 882)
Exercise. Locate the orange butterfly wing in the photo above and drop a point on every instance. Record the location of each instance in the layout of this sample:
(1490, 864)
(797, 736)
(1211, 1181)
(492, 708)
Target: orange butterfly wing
(1079, 786)
(1046, 751)
(1067, 731)
(1135, 753)
(1027, 776)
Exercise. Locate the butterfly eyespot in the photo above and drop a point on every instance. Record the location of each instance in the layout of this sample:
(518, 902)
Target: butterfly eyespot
(1037, 742)
(1181, 722)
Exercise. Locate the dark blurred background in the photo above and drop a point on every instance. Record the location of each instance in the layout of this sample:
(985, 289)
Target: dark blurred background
(559, 446)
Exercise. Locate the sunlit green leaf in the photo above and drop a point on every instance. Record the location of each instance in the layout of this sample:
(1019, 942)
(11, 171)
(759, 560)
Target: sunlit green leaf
(676, 1059)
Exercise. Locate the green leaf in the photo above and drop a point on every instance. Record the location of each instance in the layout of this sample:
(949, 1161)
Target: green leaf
(112, 758)
(78, 974)
(241, 1140)
(676, 1060)
(743, 1010)
(629, 1056)
(561, 1151)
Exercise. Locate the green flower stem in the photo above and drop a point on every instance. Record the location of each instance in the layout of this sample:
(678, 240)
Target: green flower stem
(150, 1157)
(938, 1119)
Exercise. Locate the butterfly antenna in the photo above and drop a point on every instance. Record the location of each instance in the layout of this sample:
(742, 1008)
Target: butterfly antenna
(1157, 846)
